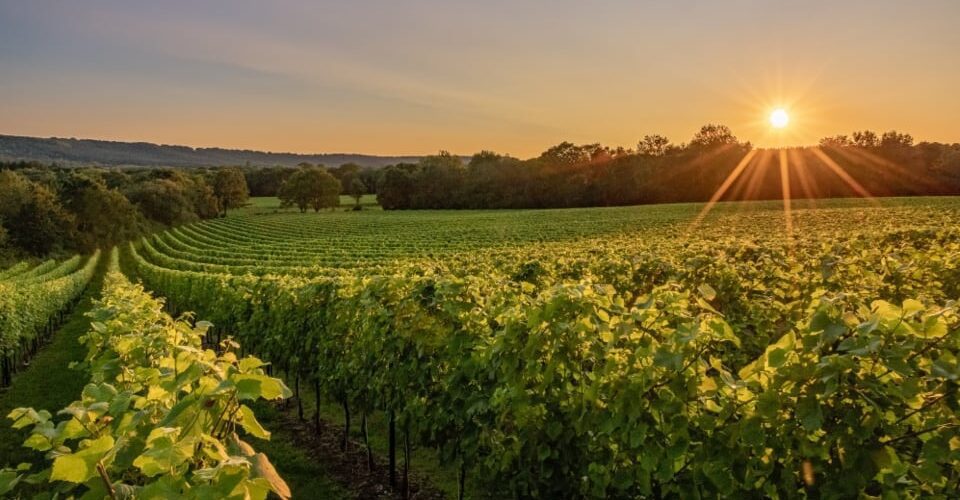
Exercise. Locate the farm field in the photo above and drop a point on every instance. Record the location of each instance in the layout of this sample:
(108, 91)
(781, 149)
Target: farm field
(453, 250)
(609, 352)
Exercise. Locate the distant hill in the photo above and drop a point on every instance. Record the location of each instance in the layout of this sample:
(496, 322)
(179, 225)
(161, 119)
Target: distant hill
(88, 151)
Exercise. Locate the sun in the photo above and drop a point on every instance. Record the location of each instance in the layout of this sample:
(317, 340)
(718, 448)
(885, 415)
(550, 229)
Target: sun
(779, 118)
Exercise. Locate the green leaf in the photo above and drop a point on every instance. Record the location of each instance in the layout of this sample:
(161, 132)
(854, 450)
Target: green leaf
(707, 292)
(934, 327)
(809, 413)
(768, 404)
(9, 480)
(163, 487)
(81, 466)
(776, 358)
(887, 311)
(723, 330)
(667, 359)
(38, 442)
(23, 417)
(250, 424)
(250, 363)
(912, 307)
(706, 305)
(99, 392)
(164, 451)
(251, 386)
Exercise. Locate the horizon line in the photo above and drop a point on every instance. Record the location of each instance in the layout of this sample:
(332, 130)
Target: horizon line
(383, 155)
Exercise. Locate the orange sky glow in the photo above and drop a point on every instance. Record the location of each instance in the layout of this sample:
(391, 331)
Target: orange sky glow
(385, 77)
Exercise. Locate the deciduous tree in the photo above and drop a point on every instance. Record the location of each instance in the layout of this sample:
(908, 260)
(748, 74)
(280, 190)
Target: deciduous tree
(230, 187)
(653, 145)
(356, 189)
(41, 225)
(164, 201)
(865, 139)
(105, 218)
(712, 136)
(15, 189)
(310, 187)
(894, 139)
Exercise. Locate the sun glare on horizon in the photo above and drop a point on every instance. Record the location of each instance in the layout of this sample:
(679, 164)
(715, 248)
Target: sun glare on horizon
(779, 118)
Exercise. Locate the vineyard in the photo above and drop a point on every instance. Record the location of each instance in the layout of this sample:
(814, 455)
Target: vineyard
(33, 300)
(610, 352)
(160, 415)
(442, 250)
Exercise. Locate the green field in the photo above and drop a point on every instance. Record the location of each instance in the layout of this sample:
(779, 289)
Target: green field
(340, 243)
(620, 352)
(611, 352)
(270, 204)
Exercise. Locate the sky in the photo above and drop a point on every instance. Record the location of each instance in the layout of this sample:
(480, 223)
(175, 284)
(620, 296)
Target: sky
(512, 76)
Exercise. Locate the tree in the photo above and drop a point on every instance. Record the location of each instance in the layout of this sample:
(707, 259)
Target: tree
(310, 187)
(201, 195)
(116, 179)
(440, 178)
(712, 136)
(568, 154)
(356, 189)
(396, 186)
(266, 181)
(370, 178)
(653, 145)
(16, 191)
(230, 188)
(42, 225)
(344, 171)
(164, 201)
(894, 139)
(837, 141)
(105, 218)
(865, 139)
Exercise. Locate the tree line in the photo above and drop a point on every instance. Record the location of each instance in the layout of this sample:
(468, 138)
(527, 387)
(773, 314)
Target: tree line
(46, 209)
(312, 186)
(657, 171)
(86, 152)
(49, 210)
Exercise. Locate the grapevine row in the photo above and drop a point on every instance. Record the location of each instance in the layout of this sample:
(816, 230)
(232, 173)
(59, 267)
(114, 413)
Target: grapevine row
(160, 417)
(706, 370)
(32, 304)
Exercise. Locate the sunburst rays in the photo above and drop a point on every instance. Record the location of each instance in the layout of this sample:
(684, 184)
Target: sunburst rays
(785, 192)
(802, 173)
(843, 175)
(734, 175)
